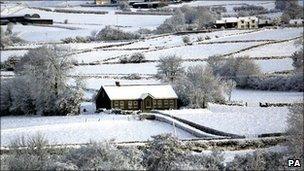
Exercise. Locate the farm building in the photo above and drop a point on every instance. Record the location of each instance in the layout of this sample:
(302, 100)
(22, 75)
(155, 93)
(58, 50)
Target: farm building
(136, 97)
(237, 22)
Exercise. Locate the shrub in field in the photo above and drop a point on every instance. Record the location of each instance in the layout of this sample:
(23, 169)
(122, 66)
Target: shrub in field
(9, 38)
(298, 59)
(185, 16)
(35, 157)
(186, 39)
(103, 156)
(259, 160)
(277, 83)
(137, 57)
(207, 38)
(109, 33)
(144, 31)
(163, 153)
(134, 58)
(202, 162)
(124, 6)
(77, 39)
(134, 76)
(239, 69)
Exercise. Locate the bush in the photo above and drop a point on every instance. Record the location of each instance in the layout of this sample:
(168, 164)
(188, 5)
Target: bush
(259, 160)
(8, 38)
(202, 162)
(137, 57)
(219, 9)
(186, 39)
(163, 153)
(124, 6)
(134, 76)
(188, 17)
(134, 58)
(249, 8)
(298, 59)
(108, 33)
(104, 156)
(144, 31)
(35, 157)
(239, 69)
(277, 83)
(77, 39)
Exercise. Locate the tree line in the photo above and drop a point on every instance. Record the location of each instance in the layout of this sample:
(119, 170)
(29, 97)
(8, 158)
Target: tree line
(40, 86)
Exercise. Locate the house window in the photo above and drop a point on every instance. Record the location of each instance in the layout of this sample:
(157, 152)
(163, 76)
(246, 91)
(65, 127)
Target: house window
(159, 103)
(135, 104)
(121, 104)
(166, 103)
(242, 27)
(171, 104)
(116, 104)
(253, 21)
(154, 103)
(242, 21)
(130, 104)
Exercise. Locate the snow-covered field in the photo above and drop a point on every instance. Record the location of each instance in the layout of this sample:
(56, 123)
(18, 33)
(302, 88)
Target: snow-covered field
(277, 49)
(272, 65)
(253, 97)
(84, 128)
(266, 34)
(123, 69)
(200, 51)
(100, 55)
(249, 121)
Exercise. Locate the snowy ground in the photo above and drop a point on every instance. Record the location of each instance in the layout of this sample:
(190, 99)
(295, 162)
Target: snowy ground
(277, 49)
(266, 34)
(84, 128)
(253, 97)
(249, 121)
(239, 120)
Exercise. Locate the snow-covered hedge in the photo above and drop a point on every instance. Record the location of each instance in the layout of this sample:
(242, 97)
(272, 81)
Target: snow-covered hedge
(109, 33)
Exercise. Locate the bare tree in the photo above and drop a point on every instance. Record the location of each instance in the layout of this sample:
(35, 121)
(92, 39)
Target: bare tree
(41, 86)
(169, 68)
(229, 86)
(199, 86)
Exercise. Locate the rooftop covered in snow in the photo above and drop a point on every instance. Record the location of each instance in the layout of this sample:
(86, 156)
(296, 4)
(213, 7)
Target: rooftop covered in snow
(125, 92)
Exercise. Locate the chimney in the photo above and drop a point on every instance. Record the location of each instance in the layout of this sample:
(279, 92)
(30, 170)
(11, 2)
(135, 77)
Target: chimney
(117, 83)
